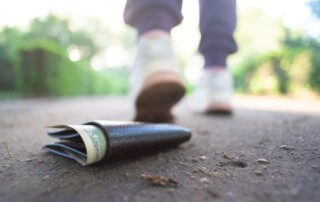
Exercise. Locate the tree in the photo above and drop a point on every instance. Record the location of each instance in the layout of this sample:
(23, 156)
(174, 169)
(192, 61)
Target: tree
(10, 38)
(58, 30)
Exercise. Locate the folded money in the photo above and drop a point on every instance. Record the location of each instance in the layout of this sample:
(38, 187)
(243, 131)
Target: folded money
(100, 141)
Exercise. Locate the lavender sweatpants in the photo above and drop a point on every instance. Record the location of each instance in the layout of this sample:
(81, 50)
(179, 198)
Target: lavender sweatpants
(217, 24)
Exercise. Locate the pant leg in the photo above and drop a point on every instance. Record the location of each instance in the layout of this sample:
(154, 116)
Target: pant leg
(146, 15)
(217, 24)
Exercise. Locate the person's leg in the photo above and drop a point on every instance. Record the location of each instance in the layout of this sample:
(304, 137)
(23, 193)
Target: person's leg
(217, 24)
(150, 15)
(156, 84)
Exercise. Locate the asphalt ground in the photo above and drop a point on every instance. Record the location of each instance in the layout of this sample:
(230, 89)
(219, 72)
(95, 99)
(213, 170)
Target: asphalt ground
(268, 150)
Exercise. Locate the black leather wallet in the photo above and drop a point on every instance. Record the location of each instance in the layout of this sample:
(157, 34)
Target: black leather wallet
(100, 141)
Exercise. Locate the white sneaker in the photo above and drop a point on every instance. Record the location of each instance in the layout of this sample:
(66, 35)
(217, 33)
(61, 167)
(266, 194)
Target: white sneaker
(214, 92)
(156, 83)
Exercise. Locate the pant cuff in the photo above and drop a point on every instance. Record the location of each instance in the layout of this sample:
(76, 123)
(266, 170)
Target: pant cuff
(155, 19)
(215, 58)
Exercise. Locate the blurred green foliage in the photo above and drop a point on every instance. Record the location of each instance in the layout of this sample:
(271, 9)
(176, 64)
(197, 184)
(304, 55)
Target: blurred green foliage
(291, 67)
(36, 62)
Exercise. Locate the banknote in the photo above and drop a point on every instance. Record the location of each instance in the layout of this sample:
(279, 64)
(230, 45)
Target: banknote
(102, 140)
(84, 143)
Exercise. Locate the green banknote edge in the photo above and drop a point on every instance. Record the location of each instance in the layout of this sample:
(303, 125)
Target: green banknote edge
(93, 139)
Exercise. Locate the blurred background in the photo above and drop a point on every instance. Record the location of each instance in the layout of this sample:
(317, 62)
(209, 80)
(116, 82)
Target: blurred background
(72, 48)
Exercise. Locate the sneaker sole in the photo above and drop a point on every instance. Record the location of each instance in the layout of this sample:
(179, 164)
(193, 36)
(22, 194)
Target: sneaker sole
(159, 94)
(219, 108)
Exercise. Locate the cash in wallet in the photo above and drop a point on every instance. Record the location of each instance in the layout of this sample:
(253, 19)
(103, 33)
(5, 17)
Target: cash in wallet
(100, 141)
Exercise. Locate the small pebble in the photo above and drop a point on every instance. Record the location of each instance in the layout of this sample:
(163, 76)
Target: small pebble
(226, 156)
(46, 177)
(204, 180)
(204, 168)
(263, 161)
(286, 147)
(203, 158)
(258, 172)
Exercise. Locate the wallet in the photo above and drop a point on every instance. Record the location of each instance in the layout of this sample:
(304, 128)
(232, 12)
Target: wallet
(102, 141)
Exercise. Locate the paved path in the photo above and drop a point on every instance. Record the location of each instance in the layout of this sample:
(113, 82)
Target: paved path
(220, 163)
